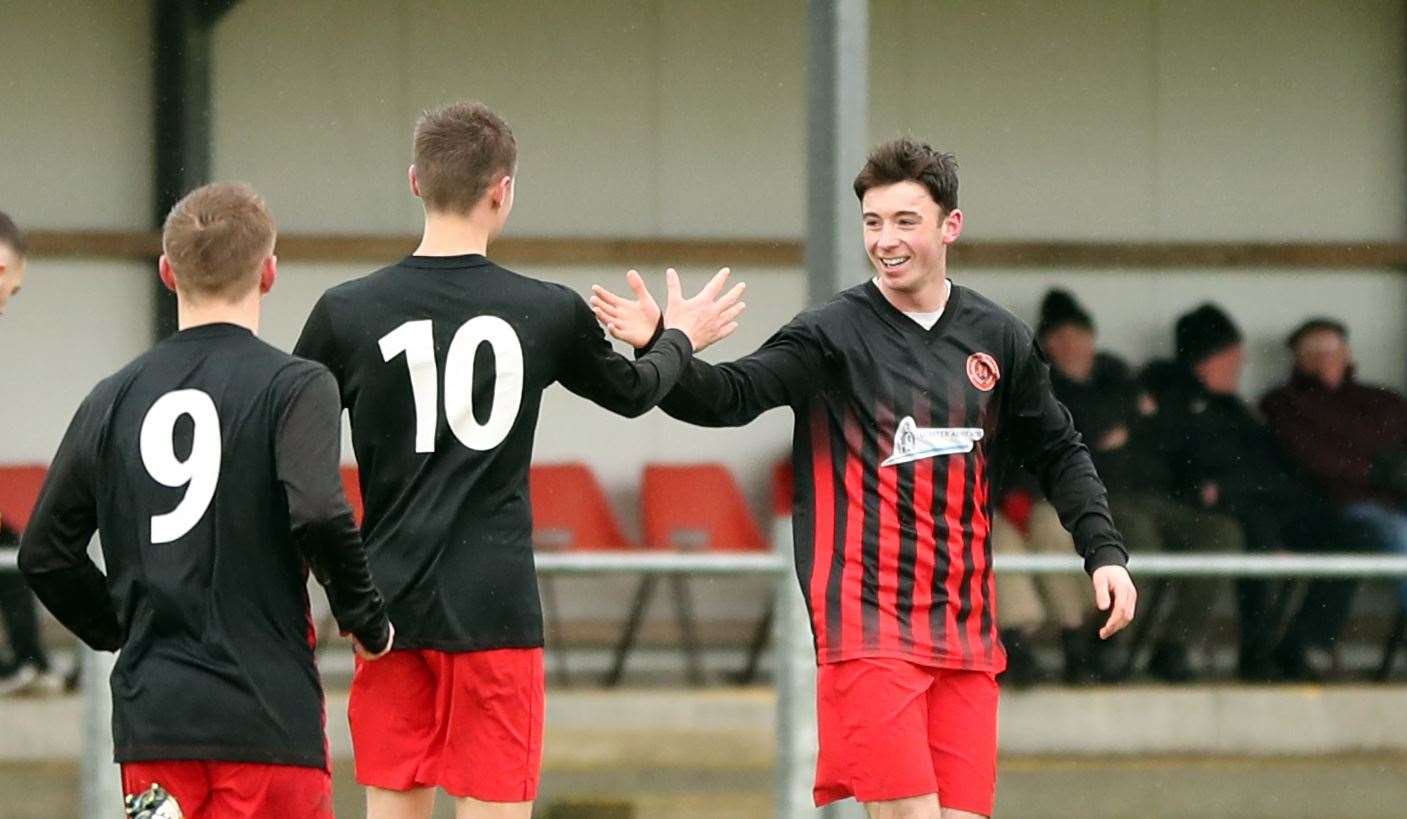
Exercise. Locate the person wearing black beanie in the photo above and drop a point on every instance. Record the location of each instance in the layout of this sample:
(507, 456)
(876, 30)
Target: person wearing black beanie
(1223, 459)
(1111, 412)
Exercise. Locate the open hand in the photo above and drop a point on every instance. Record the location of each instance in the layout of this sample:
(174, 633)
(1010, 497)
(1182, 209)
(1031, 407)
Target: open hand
(707, 317)
(1114, 592)
(633, 322)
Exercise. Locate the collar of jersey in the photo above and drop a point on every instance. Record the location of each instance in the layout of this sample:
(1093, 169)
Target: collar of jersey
(445, 262)
(903, 323)
(219, 328)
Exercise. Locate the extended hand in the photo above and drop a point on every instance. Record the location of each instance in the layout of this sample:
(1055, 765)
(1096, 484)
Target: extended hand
(1114, 593)
(707, 317)
(633, 322)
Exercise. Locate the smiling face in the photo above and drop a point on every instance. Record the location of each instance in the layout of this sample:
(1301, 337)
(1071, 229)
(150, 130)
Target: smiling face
(906, 237)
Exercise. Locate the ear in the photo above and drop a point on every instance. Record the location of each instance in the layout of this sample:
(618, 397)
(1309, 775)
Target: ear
(268, 274)
(502, 191)
(414, 182)
(168, 277)
(952, 226)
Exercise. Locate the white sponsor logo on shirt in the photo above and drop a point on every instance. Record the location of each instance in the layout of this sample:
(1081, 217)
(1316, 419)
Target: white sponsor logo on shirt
(914, 443)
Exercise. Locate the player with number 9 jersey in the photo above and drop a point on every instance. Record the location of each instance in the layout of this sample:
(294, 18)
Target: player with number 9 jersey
(210, 467)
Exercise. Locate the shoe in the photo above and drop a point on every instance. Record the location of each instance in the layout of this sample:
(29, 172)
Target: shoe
(1022, 669)
(18, 681)
(1078, 667)
(1169, 663)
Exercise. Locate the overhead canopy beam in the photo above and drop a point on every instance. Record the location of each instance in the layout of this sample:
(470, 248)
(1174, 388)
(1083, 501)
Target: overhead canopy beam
(837, 138)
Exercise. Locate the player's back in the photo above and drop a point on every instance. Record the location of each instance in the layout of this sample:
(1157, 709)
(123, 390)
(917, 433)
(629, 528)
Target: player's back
(209, 587)
(442, 362)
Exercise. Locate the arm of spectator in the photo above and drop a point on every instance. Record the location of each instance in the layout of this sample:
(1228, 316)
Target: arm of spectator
(1322, 457)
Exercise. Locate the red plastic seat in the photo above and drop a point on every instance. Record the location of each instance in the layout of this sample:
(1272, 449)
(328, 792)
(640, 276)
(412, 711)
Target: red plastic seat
(19, 491)
(697, 508)
(571, 512)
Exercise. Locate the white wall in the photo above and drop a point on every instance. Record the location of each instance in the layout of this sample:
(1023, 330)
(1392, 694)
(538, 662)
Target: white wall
(73, 324)
(75, 90)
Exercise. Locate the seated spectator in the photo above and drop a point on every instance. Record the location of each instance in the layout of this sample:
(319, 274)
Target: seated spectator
(1025, 524)
(1224, 459)
(27, 669)
(1115, 417)
(1334, 430)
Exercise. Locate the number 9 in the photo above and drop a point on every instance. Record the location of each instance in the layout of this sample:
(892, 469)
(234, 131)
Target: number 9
(201, 470)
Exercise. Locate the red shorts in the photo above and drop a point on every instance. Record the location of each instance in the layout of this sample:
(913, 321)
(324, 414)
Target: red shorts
(236, 790)
(891, 729)
(469, 722)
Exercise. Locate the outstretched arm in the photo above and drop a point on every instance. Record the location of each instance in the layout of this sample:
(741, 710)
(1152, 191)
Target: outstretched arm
(592, 369)
(786, 370)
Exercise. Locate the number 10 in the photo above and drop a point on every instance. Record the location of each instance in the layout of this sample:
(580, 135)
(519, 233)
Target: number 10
(416, 340)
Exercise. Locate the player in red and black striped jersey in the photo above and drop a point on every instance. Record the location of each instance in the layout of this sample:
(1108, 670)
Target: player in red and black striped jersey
(912, 396)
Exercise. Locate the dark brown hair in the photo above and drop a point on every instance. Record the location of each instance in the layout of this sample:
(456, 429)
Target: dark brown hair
(907, 160)
(216, 237)
(461, 150)
(10, 235)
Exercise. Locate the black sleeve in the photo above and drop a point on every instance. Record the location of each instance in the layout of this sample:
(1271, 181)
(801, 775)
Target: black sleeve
(317, 341)
(591, 368)
(784, 371)
(308, 454)
(1045, 438)
(54, 548)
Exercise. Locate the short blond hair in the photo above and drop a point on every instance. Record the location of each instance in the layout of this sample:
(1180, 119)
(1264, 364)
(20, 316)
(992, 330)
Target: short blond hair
(216, 238)
(460, 151)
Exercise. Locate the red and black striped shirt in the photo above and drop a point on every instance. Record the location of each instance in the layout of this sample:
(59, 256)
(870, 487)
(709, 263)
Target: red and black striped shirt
(900, 433)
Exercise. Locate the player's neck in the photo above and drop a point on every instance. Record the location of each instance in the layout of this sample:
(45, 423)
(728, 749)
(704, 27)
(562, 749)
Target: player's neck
(929, 299)
(454, 235)
(243, 313)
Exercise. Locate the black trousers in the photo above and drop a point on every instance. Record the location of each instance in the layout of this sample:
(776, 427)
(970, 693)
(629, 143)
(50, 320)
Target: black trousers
(17, 607)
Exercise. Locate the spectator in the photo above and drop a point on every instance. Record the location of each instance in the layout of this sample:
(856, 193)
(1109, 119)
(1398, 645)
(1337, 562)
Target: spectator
(1024, 524)
(1114, 415)
(12, 260)
(1333, 430)
(27, 669)
(1224, 459)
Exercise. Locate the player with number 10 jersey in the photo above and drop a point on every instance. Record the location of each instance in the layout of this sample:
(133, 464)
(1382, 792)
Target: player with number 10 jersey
(442, 359)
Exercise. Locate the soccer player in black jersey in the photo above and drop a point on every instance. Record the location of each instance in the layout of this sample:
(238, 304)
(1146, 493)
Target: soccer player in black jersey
(209, 465)
(912, 396)
(442, 359)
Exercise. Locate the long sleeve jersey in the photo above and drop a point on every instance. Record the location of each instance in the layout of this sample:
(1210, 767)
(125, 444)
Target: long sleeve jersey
(900, 432)
(209, 467)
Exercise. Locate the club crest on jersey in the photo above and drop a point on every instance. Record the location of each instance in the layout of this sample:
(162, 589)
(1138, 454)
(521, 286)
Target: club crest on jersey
(982, 371)
(914, 443)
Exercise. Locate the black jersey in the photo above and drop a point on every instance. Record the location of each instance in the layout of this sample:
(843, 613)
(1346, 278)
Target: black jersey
(209, 467)
(442, 362)
(899, 433)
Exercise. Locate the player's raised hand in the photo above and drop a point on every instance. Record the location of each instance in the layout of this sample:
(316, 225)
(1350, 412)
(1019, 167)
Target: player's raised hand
(632, 321)
(710, 316)
(1114, 592)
